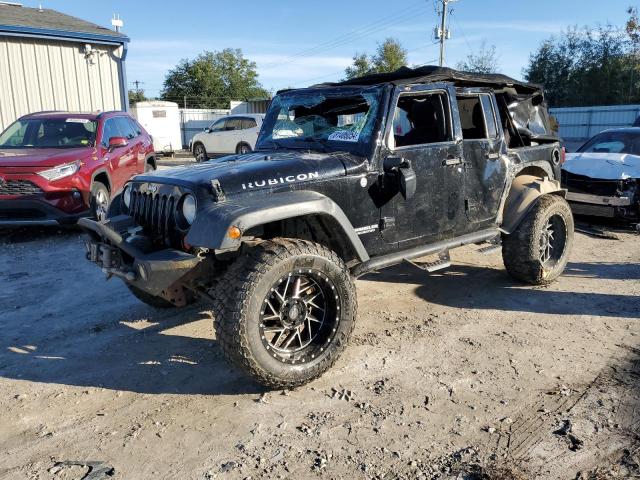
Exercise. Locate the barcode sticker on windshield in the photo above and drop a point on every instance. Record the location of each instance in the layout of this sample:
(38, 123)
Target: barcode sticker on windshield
(77, 120)
(344, 136)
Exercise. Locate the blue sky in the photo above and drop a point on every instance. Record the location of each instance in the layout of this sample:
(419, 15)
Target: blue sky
(297, 44)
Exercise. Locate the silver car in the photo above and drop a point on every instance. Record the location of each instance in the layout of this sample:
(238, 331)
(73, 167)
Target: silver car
(232, 134)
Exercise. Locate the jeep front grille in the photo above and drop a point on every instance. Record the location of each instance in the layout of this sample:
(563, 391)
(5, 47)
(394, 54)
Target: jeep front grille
(19, 187)
(156, 212)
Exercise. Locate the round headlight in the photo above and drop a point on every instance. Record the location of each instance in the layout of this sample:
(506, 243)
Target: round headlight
(126, 196)
(189, 208)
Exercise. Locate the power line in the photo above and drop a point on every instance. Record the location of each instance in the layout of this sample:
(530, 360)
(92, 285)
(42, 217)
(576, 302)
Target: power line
(356, 34)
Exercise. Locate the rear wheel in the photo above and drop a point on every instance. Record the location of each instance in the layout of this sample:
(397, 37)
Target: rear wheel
(149, 167)
(100, 199)
(200, 153)
(285, 311)
(243, 149)
(537, 252)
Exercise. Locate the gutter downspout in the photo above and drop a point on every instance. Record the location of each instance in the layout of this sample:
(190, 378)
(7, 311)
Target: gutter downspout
(124, 92)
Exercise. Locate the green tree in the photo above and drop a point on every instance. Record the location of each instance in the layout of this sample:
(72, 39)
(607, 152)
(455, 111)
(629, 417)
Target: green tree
(390, 55)
(361, 66)
(590, 66)
(485, 61)
(136, 96)
(213, 79)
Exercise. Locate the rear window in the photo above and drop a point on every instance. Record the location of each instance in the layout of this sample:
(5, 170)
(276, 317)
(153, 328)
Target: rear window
(49, 133)
(248, 123)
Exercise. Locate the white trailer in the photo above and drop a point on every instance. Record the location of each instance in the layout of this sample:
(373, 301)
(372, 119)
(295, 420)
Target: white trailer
(162, 121)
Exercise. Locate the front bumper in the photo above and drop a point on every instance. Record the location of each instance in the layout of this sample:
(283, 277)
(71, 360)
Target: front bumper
(620, 207)
(35, 211)
(118, 250)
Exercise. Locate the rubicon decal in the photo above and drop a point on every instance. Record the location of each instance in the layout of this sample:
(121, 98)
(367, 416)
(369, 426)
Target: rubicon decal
(301, 177)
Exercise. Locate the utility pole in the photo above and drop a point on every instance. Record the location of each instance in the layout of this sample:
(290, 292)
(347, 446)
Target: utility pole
(442, 33)
(137, 84)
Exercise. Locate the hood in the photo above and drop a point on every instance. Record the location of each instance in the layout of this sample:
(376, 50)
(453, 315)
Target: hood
(29, 158)
(603, 166)
(258, 171)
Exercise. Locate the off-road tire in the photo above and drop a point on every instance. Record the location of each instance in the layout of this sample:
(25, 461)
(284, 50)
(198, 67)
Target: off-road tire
(151, 300)
(521, 249)
(149, 167)
(98, 210)
(239, 297)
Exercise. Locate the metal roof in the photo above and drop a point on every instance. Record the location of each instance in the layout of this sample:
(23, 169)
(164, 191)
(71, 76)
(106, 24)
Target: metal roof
(17, 20)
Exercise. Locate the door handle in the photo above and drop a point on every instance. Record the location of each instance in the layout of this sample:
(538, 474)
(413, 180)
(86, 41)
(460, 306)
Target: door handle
(452, 161)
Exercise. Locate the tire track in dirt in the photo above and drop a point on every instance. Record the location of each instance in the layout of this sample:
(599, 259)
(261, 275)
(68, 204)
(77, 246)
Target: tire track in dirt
(531, 431)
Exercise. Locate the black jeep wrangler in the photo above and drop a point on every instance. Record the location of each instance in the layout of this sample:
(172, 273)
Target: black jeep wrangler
(347, 178)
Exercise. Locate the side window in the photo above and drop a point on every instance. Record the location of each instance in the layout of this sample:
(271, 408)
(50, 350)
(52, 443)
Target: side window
(489, 116)
(233, 124)
(135, 126)
(422, 119)
(248, 123)
(109, 130)
(217, 126)
(471, 118)
(124, 125)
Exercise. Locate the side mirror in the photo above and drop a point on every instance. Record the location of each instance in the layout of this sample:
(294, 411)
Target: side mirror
(117, 142)
(400, 169)
(207, 130)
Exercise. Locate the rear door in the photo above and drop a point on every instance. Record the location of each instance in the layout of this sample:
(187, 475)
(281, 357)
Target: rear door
(424, 131)
(232, 135)
(485, 162)
(250, 131)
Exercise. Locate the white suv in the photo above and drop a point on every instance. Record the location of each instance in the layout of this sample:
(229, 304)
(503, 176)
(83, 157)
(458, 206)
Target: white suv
(232, 134)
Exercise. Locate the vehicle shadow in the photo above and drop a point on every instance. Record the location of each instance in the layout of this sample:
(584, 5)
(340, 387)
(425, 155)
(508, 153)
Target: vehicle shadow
(142, 356)
(464, 286)
(29, 234)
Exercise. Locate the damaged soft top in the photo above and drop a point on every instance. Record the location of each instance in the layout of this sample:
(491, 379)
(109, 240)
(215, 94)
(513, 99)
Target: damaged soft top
(527, 110)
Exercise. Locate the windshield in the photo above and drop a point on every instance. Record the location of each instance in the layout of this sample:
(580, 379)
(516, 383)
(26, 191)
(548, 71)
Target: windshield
(338, 119)
(49, 133)
(613, 142)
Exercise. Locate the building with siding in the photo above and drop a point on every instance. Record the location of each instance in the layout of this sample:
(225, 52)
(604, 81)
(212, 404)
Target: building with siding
(53, 61)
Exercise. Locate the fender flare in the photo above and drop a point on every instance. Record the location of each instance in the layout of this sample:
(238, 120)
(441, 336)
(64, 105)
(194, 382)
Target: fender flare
(213, 220)
(524, 193)
(98, 172)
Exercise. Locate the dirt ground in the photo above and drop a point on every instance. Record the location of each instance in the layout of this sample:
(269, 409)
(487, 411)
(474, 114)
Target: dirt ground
(462, 374)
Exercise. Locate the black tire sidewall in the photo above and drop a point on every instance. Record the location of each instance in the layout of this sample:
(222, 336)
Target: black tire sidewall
(195, 152)
(521, 248)
(260, 290)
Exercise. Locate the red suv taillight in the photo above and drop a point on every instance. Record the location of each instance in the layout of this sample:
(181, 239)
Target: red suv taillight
(563, 155)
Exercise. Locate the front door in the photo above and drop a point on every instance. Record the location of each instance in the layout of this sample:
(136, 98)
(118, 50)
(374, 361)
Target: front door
(424, 132)
(485, 161)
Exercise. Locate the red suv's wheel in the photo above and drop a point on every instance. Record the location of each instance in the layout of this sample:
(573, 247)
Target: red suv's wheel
(100, 199)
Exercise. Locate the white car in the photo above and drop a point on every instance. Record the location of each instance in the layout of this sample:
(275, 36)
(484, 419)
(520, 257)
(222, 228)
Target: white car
(232, 134)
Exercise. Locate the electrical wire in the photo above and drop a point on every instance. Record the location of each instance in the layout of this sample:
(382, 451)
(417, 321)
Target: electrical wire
(349, 37)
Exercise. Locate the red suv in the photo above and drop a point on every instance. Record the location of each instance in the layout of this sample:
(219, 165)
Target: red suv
(56, 167)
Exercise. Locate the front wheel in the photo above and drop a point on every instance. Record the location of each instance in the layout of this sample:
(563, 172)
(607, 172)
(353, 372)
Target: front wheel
(100, 199)
(284, 311)
(537, 252)
(200, 153)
